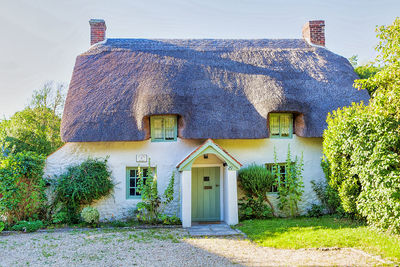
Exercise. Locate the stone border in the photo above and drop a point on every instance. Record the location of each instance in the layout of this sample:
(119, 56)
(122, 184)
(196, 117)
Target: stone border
(69, 229)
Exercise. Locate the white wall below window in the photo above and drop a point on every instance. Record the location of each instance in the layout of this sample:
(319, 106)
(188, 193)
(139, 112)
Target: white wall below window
(166, 155)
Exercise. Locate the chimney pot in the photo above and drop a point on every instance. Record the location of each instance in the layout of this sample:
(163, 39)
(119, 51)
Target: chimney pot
(314, 32)
(97, 31)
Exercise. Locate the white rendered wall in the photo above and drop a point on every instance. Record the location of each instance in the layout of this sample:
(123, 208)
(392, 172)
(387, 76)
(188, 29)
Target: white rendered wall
(166, 155)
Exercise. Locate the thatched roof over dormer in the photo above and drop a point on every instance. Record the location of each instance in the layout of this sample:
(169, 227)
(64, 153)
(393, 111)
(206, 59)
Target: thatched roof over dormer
(221, 89)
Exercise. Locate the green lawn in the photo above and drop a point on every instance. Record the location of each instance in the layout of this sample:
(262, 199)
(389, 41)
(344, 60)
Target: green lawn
(321, 232)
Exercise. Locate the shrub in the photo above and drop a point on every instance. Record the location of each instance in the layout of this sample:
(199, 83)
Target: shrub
(21, 186)
(90, 215)
(290, 190)
(327, 195)
(28, 227)
(254, 208)
(60, 217)
(82, 185)
(2, 225)
(316, 210)
(362, 145)
(169, 220)
(150, 209)
(256, 181)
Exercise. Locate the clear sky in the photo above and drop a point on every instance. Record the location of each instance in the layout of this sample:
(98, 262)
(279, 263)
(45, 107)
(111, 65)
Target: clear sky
(39, 40)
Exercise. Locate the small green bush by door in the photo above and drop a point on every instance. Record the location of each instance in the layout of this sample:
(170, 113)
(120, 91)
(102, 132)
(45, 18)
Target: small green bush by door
(256, 181)
(90, 216)
(82, 185)
(28, 227)
(254, 208)
(22, 186)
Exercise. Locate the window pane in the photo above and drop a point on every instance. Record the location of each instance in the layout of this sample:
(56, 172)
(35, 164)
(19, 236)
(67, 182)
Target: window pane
(132, 191)
(274, 125)
(285, 125)
(132, 173)
(157, 130)
(132, 183)
(169, 128)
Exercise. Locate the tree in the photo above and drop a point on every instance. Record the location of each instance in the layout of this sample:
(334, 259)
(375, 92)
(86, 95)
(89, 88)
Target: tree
(364, 71)
(51, 96)
(388, 59)
(362, 142)
(37, 127)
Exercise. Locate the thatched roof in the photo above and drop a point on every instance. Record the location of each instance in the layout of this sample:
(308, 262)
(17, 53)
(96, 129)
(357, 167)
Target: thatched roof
(221, 89)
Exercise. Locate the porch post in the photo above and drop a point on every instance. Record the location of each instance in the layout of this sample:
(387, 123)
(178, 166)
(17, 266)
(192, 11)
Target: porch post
(186, 185)
(231, 203)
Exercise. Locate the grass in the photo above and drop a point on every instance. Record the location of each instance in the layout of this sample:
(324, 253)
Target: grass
(321, 232)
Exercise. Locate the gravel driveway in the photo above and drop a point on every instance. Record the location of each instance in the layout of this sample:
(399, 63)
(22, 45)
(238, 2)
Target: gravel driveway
(160, 247)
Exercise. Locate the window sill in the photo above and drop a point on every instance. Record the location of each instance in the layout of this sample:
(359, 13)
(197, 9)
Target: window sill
(134, 198)
(162, 141)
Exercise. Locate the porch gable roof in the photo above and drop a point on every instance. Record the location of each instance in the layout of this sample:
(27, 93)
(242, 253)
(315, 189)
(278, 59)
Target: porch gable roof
(209, 147)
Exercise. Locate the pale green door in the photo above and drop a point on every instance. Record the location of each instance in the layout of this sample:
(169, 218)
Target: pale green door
(206, 194)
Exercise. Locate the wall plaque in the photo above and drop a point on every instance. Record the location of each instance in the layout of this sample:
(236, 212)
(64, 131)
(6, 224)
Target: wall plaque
(141, 158)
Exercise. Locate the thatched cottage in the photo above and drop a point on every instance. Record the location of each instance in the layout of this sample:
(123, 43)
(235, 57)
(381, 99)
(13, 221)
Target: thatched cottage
(202, 109)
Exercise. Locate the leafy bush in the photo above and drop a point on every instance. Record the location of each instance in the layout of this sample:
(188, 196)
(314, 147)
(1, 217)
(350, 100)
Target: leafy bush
(2, 225)
(316, 210)
(82, 185)
(362, 144)
(150, 209)
(256, 181)
(90, 215)
(28, 226)
(21, 186)
(254, 208)
(169, 220)
(291, 190)
(327, 195)
(60, 217)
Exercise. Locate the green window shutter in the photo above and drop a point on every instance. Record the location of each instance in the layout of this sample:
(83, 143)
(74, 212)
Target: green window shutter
(274, 124)
(163, 128)
(286, 125)
(157, 129)
(170, 128)
(281, 125)
(132, 181)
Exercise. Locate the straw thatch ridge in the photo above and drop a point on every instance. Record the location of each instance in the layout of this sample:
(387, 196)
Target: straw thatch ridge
(221, 89)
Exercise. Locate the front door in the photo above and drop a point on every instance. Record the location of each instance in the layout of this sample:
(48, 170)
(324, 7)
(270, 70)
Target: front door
(206, 194)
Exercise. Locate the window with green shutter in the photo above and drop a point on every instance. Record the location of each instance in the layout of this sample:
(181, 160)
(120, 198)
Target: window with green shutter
(281, 125)
(132, 181)
(163, 128)
(279, 170)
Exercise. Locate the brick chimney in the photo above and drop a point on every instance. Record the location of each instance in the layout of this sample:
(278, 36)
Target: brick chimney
(97, 31)
(314, 32)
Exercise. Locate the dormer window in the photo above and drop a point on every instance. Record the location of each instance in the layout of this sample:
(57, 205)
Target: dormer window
(281, 125)
(163, 128)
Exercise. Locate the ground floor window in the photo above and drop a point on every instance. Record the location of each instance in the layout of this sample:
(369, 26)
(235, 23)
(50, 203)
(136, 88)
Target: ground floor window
(132, 181)
(279, 171)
